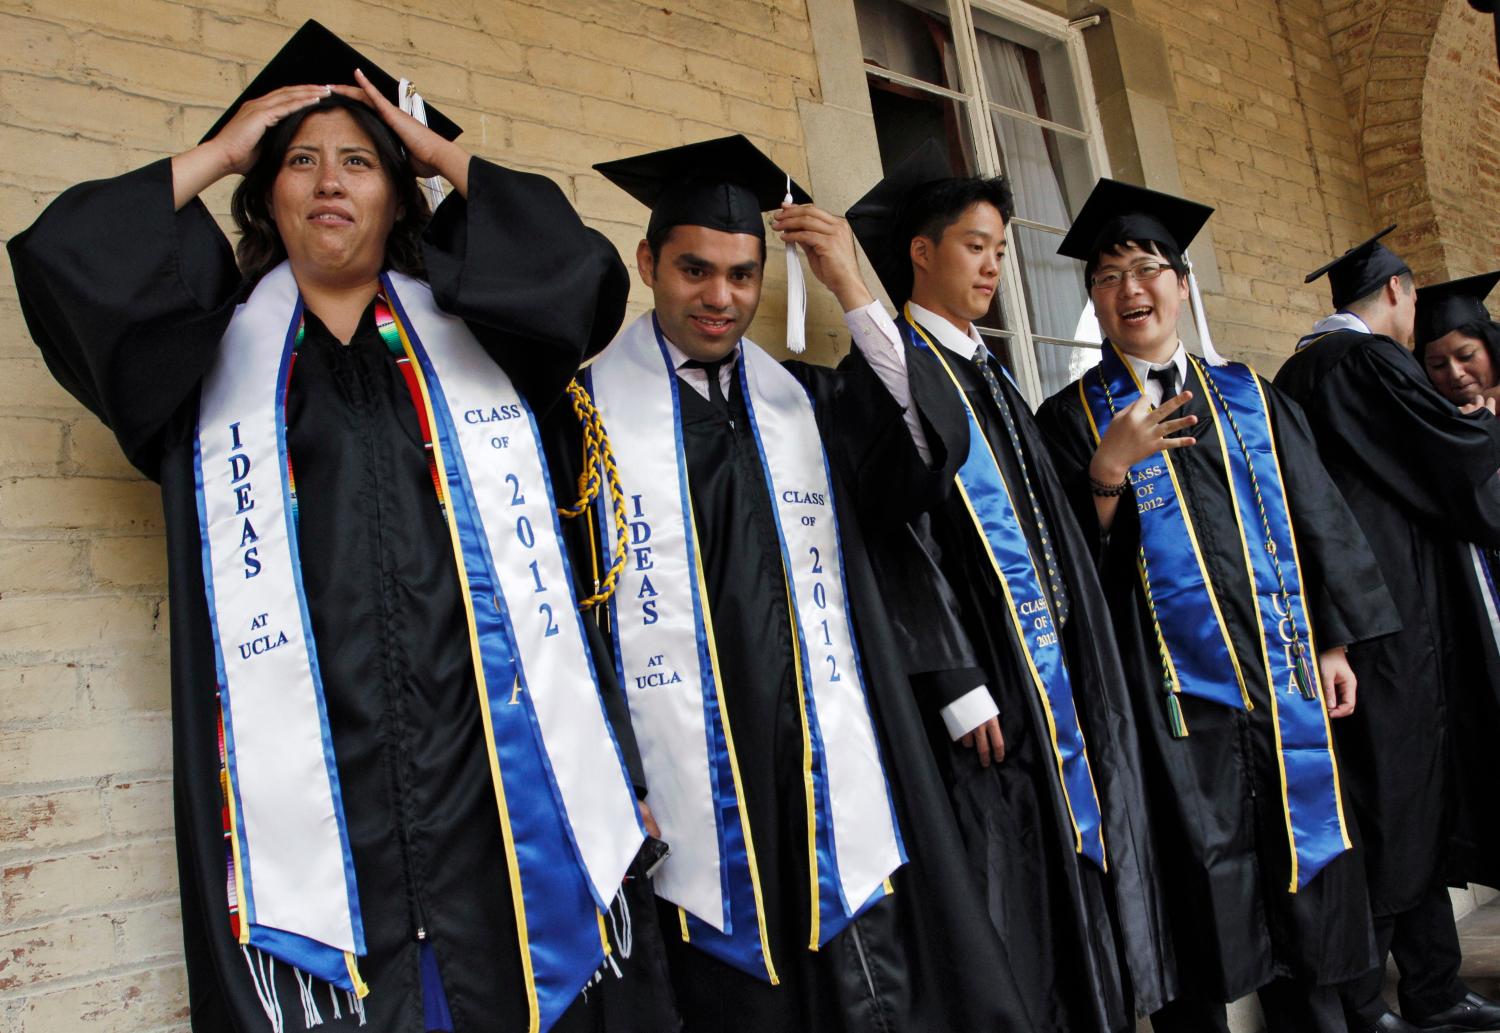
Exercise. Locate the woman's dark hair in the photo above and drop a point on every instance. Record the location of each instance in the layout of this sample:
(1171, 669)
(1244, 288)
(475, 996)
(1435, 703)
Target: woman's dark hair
(1486, 331)
(1166, 252)
(260, 248)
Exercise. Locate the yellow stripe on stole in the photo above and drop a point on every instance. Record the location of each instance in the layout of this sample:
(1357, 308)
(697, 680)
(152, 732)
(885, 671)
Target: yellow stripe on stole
(234, 847)
(1317, 673)
(361, 990)
(1015, 617)
(807, 761)
(734, 764)
(512, 866)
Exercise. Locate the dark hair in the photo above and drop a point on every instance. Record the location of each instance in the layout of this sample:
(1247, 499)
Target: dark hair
(1364, 301)
(1166, 252)
(260, 247)
(1486, 331)
(657, 239)
(932, 209)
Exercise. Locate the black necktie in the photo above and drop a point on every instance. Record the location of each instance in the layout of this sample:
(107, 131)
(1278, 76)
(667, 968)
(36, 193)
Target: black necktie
(1167, 378)
(1054, 579)
(711, 370)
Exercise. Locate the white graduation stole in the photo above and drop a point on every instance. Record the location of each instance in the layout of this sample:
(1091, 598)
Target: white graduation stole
(567, 808)
(668, 663)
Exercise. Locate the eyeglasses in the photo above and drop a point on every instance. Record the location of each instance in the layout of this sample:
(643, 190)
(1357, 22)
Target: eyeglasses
(1141, 273)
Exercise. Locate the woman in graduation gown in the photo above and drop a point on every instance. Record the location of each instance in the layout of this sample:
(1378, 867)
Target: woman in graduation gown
(128, 287)
(1239, 918)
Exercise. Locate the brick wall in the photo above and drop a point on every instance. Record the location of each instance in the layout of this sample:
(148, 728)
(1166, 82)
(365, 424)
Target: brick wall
(1262, 134)
(89, 933)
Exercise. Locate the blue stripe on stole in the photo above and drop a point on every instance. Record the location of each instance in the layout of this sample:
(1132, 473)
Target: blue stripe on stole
(739, 944)
(557, 906)
(1309, 774)
(1200, 653)
(318, 959)
(834, 911)
(283, 384)
(990, 504)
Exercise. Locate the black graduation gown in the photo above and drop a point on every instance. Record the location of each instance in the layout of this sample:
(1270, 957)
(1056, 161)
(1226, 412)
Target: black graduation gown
(1215, 796)
(128, 302)
(925, 958)
(1420, 477)
(1070, 929)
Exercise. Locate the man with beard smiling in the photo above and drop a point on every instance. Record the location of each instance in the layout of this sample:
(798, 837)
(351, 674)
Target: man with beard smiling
(1235, 580)
(815, 879)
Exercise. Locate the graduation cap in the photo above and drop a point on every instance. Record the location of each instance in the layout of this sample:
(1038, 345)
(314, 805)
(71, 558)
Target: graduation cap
(877, 218)
(1116, 212)
(315, 56)
(723, 184)
(1361, 269)
(1444, 307)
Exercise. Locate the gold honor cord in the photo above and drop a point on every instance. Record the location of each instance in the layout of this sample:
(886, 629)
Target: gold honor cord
(512, 865)
(1011, 609)
(597, 457)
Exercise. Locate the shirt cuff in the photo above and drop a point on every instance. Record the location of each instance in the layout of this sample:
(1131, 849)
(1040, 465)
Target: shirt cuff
(968, 712)
(875, 335)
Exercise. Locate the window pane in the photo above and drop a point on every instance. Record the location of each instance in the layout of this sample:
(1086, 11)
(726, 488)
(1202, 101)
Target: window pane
(1059, 364)
(1049, 172)
(912, 38)
(906, 117)
(1053, 285)
(1027, 71)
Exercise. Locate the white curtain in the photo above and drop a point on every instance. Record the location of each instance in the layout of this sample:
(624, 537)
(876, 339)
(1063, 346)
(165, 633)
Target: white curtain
(1058, 304)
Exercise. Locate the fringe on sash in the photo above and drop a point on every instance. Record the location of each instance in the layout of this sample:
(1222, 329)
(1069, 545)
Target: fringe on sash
(623, 935)
(262, 968)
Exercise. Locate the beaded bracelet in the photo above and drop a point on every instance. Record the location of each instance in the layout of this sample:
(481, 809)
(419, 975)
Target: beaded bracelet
(1109, 491)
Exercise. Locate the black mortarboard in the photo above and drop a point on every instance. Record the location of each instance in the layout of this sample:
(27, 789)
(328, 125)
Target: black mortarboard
(1361, 269)
(314, 56)
(876, 218)
(723, 184)
(1116, 212)
(1447, 306)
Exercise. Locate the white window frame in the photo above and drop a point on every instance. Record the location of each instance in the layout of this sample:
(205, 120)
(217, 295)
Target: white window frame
(976, 109)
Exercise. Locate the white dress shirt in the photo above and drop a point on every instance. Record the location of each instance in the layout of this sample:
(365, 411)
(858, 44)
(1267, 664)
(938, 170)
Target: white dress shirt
(871, 323)
(1152, 388)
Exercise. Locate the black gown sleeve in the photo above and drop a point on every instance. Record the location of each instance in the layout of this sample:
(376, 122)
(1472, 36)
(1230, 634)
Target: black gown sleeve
(127, 300)
(1407, 439)
(1341, 579)
(865, 432)
(537, 287)
(1071, 445)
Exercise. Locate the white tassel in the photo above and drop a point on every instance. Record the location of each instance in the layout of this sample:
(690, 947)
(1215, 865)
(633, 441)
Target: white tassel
(357, 1007)
(413, 105)
(1200, 320)
(333, 995)
(796, 293)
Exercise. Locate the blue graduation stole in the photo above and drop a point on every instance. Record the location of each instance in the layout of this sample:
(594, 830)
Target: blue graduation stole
(1198, 656)
(988, 499)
